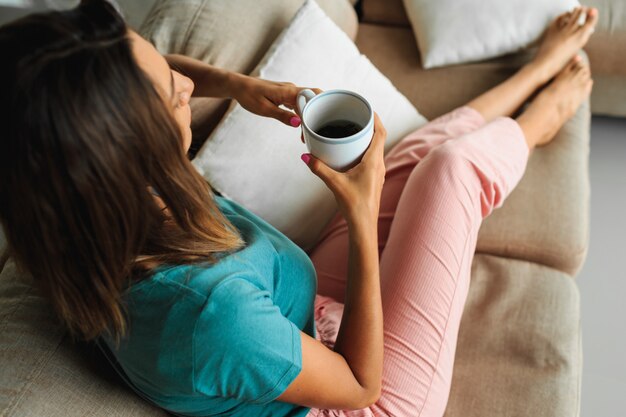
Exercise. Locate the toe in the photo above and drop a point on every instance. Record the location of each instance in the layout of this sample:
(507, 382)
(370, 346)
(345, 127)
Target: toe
(573, 63)
(579, 61)
(573, 22)
(582, 70)
(592, 19)
(561, 20)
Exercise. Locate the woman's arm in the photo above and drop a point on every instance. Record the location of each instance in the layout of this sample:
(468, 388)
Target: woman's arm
(209, 81)
(258, 96)
(360, 338)
(350, 376)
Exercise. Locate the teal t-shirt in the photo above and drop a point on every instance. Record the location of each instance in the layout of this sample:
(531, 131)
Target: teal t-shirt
(221, 339)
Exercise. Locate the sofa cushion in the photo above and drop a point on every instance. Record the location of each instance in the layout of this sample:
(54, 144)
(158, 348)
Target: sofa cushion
(608, 62)
(134, 11)
(609, 90)
(43, 372)
(546, 218)
(608, 37)
(519, 345)
(222, 33)
(255, 161)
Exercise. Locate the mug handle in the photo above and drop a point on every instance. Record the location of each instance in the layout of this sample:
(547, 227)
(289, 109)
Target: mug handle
(303, 97)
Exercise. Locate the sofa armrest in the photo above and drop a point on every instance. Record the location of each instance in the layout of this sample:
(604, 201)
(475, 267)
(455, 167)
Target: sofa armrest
(608, 62)
(545, 219)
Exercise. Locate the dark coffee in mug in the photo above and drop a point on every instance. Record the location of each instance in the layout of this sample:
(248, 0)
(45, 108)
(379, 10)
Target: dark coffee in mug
(338, 129)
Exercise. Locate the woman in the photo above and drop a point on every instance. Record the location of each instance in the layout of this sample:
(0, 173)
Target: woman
(203, 307)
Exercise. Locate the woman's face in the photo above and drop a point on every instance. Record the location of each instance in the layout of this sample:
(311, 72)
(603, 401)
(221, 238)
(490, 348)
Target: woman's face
(175, 88)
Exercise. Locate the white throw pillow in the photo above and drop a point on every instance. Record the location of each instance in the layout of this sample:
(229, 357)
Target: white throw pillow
(255, 161)
(459, 31)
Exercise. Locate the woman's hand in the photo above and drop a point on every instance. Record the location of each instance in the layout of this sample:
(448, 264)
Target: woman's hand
(263, 97)
(357, 190)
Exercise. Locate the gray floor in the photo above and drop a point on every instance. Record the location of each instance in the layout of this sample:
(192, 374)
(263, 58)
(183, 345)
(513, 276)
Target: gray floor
(602, 282)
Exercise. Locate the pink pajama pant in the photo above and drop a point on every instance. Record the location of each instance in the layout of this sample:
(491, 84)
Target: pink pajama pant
(441, 181)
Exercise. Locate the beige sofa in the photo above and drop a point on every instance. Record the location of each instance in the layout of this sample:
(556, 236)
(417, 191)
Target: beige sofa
(519, 348)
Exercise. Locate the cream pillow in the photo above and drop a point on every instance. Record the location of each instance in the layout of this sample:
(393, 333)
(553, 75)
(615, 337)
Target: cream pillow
(460, 31)
(255, 161)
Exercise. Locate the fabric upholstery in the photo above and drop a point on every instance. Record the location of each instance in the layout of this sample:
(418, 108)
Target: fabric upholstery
(519, 349)
(608, 62)
(221, 34)
(230, 34)
(608, 95)
(459, 31)
(546, 218)
(609, 33)
(608, 67)
(385, 12)
(434, 92)
(43, 372)
(135, 12)
(557, 174)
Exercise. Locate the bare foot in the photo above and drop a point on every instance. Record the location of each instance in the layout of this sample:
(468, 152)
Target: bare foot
(557, 103)
(563, 38)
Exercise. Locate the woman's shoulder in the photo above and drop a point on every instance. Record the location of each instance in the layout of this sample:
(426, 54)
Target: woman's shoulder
(253, 225)
(202, 278)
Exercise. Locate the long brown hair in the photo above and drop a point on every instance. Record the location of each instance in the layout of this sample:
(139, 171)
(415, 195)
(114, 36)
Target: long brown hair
(85, 135)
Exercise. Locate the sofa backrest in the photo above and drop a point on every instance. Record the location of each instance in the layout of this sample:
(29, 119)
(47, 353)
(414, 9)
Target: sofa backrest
(386, 12)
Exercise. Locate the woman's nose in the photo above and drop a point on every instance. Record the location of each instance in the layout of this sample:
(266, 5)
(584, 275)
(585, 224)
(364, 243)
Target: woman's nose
(189, 86)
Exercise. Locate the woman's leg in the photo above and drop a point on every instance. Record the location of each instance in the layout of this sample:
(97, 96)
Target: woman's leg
(556, 103)
(426, 259)
(539, 123)
(425, 263)
(330, 254)
(563, 38)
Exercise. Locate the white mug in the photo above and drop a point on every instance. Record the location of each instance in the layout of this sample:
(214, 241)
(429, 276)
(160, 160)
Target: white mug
(318, 110)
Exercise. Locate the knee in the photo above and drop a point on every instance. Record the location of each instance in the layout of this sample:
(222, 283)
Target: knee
(460, 167)
(451, 157)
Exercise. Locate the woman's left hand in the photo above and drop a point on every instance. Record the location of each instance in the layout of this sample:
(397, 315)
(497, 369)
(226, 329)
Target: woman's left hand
(263, 97)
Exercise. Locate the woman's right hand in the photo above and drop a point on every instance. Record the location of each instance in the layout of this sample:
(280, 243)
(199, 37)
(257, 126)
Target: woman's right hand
(358, 190)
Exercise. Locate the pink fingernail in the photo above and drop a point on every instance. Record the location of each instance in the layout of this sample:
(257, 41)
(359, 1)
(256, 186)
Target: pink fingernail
(306, 158)
(295, 121)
